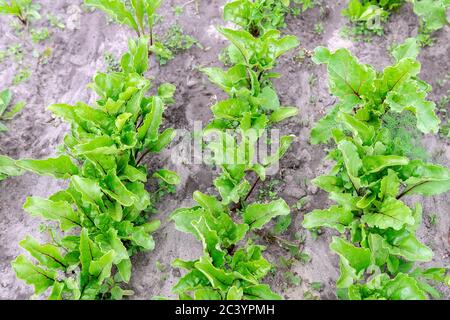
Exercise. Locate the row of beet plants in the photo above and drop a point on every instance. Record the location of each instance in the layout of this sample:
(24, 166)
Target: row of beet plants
(378, 248)
(232, 267)
(103, 213)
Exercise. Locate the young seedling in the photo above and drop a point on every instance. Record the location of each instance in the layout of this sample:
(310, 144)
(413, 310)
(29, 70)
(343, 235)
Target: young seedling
(21, 76)
(378, 247)
(103, 213)
(38, 35)
(5, 101)
(173, 42)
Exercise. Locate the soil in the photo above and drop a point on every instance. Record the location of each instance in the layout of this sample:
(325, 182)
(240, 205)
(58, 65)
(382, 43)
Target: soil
(78, 51)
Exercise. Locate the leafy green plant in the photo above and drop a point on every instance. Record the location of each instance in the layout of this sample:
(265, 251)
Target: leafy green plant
(5, 101)
(38, 35)
(21, 76)
(8, 168)
(318, 28)
(259, 16)
(24, 10)
(15, 51)
(432, 14)
(368, 16)
(141, 16)
(112, 63)
(378, 247)
(56, 22)
(102, 214)
(230, 268)
(172, 43)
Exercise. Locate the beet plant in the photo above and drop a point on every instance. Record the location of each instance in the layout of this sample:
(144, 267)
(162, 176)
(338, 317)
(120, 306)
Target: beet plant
(432, 14)
(378, 248)
(24, 10)
(103, 213)
(369, 15)
(259, 16)
(141, 16)
(232, 267)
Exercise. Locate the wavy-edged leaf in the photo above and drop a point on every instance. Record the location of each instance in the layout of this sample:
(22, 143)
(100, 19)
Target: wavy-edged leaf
(167, 176)
(357, 258)
(33, 275)
(60, 168)
(335, 217)
(57, 211)
(117, 10)
(47, 254)
(257, 215)
(349, 80)
(392, 214)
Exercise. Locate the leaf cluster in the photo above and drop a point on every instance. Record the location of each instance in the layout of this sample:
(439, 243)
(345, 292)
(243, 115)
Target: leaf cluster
(102, 213)
(378, 247)
(141, 16)
(231, 267)
(370, 14)
(24, 10)
(5, 101)
(259, 16)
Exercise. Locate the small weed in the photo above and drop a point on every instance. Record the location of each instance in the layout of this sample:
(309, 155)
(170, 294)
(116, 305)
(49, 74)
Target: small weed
(174, 42)
(312, 80)
(301, 203)
(6, 98)
(224, 57)
(45, 55)
(268, 191)
(38, 35)
(292, 279)
(282, 224)
(3, 55)
(317, 286)
(17, 27)
(178, 10)
(300, 56)
(21, 76)
(318, 28)
(315, 233)
(112, 63)
(163, 190)
(16, 51)
(308, 295)
(160, 267)
(433, 219)
(56, 22)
